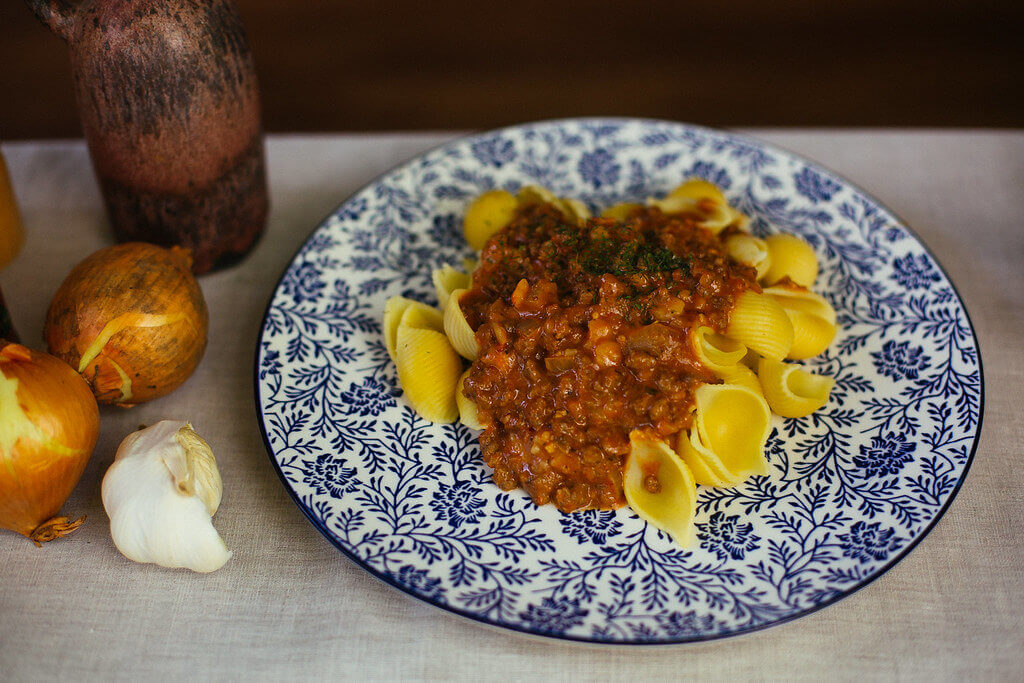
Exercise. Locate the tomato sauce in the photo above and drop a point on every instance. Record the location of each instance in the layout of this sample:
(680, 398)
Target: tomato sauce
(583, 337)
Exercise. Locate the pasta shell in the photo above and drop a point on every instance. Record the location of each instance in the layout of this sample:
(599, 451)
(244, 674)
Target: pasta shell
(813, 318)
(535, 194)
(696, 189)
(742, 375)
(421, 316)
(429, 371)
(620, 212)
(574, 210)
(733, 423)
(651, 464)
(467, 408)
(750, 360)
(707, 469)
(790, 391)
(750, 250)
(804, 300)
(715, 351)
(812, 334)
(709, 214)
(489, 213)
(790, 257)
(393, 311)
(759, 322)
(447, 280)
(460, 334)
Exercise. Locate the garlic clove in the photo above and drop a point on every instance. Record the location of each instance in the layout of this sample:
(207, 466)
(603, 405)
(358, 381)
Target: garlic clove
(160, 494)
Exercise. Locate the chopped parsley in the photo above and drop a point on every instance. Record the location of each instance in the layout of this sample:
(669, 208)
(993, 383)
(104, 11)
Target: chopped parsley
(628, 257)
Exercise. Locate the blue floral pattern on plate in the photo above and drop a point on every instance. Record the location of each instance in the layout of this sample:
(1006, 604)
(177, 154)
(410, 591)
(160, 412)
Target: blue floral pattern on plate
(852, 487)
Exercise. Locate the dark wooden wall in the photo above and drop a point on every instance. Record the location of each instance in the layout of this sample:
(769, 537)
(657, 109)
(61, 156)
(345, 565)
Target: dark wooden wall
(332, 65)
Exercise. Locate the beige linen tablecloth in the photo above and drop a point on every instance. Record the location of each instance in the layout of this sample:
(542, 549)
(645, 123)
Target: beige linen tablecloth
(289, 605)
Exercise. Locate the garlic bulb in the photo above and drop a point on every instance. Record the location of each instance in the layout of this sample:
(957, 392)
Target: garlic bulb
(161, 493)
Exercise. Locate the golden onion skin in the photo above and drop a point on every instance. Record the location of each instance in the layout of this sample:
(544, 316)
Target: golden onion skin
(49, 423)
(132, 320)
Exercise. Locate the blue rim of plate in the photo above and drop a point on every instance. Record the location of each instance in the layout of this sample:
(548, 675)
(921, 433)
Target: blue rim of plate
(391, 580)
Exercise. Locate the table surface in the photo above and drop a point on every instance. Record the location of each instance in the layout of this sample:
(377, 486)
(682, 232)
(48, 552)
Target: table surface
(288, 603)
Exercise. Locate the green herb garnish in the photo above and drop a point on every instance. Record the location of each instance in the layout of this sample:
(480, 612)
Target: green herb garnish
(632, 257)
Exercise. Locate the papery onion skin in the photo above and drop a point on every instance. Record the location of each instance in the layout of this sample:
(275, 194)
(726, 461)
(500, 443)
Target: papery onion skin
(132, 319)
(49, 423)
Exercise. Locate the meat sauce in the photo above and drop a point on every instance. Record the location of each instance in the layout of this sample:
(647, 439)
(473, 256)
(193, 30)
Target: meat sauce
(583, 337)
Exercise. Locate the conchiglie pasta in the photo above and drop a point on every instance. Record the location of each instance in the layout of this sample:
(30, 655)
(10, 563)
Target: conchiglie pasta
(715, 351)
(760, 323)
(429, 371)
(422, 317)
(790, 391)
(708, 214)
(620, 212)
(803, 300)
(750, 360)
(750, 250)
(574, 210)
(489, 213)
(460, 334)
(659, 487)
(468, 414)
(696, 189)
(705, 466)
(742, 375)
(395, 311)
(446, 280)
(790, 257)
(813, 318)
(732, 423)
(811, 335)
(535, 194)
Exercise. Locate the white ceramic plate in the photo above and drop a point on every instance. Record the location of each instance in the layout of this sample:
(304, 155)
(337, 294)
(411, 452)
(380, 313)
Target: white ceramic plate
(852, 487)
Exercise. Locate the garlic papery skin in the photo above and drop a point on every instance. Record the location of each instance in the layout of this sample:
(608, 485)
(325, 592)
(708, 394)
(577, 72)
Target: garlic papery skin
(160, 494)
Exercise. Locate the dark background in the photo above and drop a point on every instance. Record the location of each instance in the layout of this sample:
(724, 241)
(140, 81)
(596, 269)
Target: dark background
(331, 65)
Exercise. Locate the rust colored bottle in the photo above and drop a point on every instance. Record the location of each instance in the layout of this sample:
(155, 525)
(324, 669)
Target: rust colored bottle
(169, 102)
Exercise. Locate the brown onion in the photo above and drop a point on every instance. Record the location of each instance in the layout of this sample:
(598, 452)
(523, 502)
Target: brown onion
(132, 320)
(49, 423)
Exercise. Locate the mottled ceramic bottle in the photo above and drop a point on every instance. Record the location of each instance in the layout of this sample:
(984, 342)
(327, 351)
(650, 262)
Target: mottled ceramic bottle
(169, 102)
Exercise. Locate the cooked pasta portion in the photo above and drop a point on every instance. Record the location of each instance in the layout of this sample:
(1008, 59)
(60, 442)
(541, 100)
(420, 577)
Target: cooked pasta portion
(753, 251)
(791, 258)
(725, 445)
(458, 330)
(429, 370)
(716, 352)
(621, 359)
(446, 281)
(759, 322)
(659, 487)
(489, 213)
(467, 409)
(792, 392)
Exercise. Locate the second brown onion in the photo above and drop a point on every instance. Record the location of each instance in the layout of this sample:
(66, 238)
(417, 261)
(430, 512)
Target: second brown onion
(49, 424)
(132, 320)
